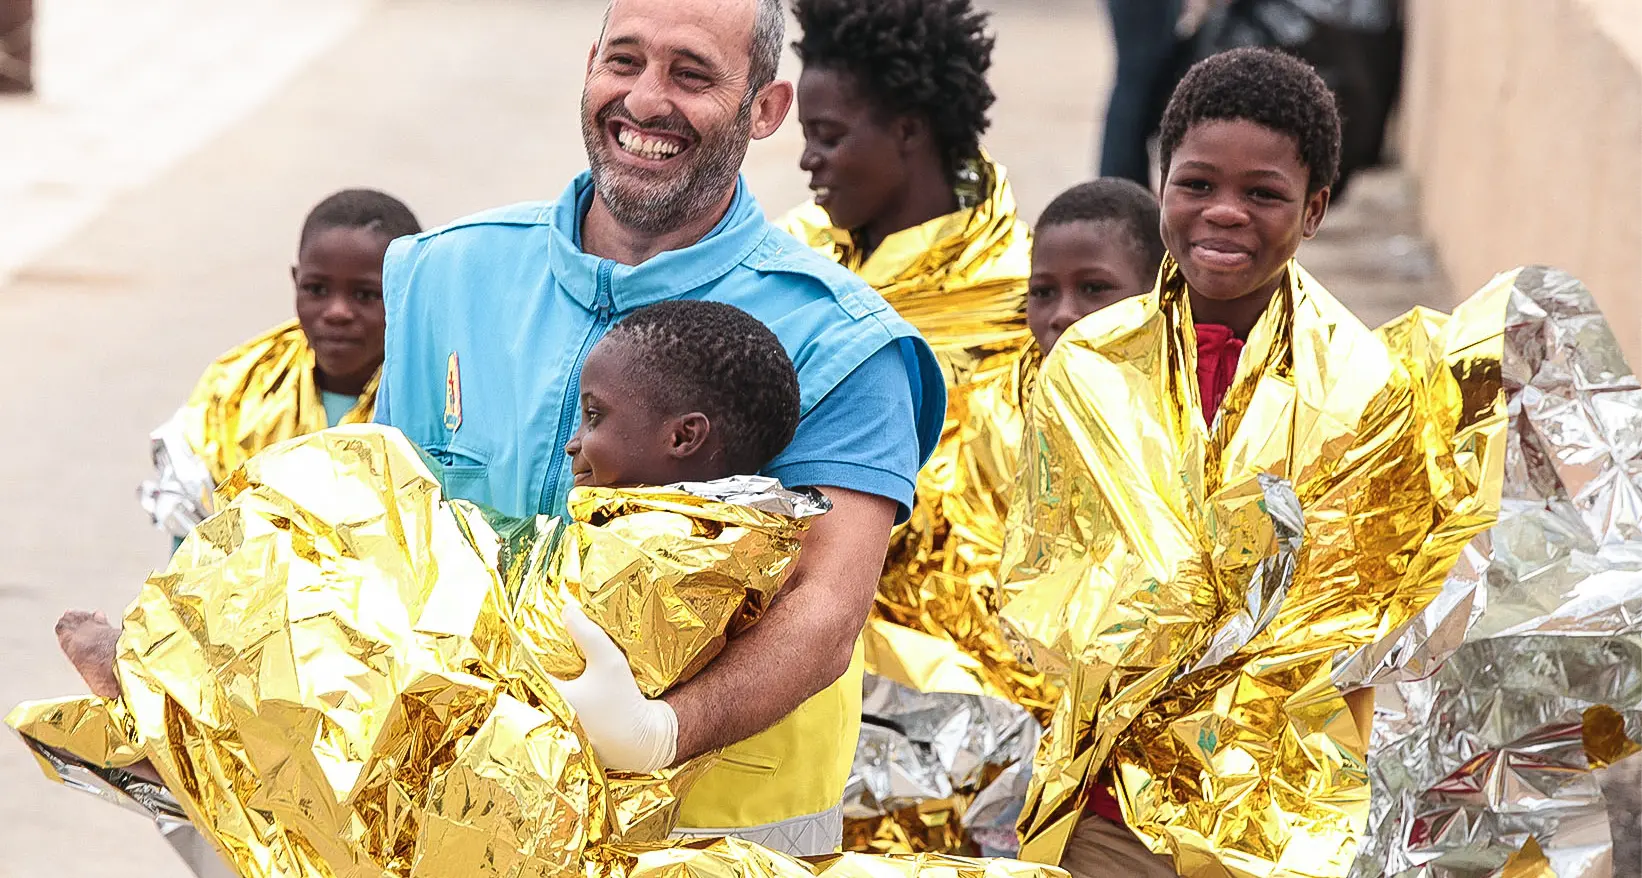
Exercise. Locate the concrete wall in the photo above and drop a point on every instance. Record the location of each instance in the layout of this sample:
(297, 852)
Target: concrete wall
(1523, 125)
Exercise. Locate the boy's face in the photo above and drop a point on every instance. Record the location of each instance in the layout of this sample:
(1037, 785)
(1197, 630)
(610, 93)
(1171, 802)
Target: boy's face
(1235, 208)
(623, 440)
(1079, 268)
(338, 278)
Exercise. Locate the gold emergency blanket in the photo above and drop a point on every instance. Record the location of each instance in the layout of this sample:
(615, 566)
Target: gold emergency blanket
(734, 858)
(1154, 565)
(961, 280)
(341, 674)
(257, 394)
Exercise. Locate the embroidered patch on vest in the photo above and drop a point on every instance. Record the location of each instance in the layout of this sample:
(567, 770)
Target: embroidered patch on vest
(453, 394)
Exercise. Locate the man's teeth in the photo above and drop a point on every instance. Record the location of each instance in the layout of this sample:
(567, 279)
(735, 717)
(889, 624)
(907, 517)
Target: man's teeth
(822, 191)
(647, 147)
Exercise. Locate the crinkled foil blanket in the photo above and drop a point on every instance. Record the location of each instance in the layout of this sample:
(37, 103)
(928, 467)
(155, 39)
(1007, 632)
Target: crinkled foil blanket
(961, 280)
(1510, 756)
(1210, 594)
(259, 393)
(341, 674)
(1508, 684)
(937, 772)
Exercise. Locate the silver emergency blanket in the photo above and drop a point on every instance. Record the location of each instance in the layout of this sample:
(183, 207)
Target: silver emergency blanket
(938, 771)
(139, 795)
(1507, 711)
(762, 493)
(177, 497)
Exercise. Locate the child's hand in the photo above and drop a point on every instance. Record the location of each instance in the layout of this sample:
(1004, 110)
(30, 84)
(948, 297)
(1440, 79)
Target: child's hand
(90, 641)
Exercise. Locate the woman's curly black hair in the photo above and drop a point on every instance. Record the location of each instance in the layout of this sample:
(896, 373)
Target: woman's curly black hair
(1268, 88)
(927, 58)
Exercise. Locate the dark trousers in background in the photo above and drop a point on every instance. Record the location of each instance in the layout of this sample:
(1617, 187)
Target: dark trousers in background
(16, 46)
(1144, 31)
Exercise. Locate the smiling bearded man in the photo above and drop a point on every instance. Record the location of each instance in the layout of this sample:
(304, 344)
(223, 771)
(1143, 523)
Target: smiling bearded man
(693, 172)
(490, 318)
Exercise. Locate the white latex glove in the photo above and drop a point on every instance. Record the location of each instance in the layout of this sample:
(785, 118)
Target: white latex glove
(629, 732)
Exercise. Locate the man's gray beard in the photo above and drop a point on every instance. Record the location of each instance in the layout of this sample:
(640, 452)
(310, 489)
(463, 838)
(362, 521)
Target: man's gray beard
(661, 206)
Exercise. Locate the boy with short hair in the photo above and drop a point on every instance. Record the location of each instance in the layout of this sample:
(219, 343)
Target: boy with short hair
(1250, 146)
(683, 391)
(316, 371)
(679, 391)
(1097, 243)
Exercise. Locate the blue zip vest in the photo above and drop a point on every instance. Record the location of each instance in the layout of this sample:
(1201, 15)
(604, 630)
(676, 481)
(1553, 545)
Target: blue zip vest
(491, 317)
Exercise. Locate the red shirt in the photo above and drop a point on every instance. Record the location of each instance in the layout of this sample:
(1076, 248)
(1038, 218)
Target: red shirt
(1217, 354)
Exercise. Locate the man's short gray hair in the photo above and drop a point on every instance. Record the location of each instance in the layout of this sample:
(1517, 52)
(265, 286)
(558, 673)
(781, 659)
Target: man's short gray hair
(769, 30)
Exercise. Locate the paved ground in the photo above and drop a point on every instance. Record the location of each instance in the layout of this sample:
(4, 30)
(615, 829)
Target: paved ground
(149, 205)
(128, 89)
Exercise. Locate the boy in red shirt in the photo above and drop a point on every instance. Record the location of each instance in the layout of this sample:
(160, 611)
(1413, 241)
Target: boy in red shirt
(1250, 146)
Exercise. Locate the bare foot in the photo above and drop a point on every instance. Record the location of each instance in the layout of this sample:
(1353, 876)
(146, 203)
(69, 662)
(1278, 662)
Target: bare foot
(89, 641)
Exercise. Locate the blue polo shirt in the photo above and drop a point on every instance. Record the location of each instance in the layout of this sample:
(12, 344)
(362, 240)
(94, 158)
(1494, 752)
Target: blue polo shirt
(491, 317)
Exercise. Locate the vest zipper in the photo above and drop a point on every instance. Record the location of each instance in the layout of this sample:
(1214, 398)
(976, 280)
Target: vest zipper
(569, 412)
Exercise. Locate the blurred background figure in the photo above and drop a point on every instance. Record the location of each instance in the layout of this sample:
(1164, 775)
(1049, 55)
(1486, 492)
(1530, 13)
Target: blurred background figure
(1149, 55)
(1356, 46)
(16, 46)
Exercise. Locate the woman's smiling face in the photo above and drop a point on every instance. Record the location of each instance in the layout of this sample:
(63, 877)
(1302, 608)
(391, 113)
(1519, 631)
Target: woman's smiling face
(851, 150)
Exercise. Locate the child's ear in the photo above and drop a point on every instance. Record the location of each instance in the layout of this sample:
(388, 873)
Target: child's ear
(688, 435)
(1316, 206)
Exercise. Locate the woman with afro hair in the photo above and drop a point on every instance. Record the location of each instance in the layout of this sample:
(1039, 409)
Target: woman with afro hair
(893, 101)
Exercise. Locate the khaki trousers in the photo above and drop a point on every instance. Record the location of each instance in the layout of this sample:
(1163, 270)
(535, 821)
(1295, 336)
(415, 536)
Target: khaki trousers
(1102, 849)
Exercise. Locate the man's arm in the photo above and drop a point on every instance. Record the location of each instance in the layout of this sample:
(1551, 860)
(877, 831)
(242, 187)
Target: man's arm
(803, 643)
